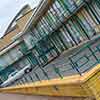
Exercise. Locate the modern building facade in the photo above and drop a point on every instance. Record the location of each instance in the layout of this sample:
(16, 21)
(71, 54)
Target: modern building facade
(60, 39)
(8, 47)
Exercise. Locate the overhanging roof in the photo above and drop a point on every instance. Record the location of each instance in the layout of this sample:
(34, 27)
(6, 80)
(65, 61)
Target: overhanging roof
(14, 19)
(35, 16)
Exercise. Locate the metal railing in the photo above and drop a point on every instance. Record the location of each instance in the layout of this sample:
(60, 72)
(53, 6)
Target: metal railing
(79, 62)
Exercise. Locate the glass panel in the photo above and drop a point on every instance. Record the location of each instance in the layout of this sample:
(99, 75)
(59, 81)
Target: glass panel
(15, 53)
(28, 38)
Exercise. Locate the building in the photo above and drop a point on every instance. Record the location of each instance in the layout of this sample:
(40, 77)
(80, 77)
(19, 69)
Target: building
(9, 47)
(60, 39)
(16, 26)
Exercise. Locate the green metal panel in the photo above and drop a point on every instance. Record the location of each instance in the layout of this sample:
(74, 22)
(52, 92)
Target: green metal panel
(23, 48)
(4, 73)
(32, 59)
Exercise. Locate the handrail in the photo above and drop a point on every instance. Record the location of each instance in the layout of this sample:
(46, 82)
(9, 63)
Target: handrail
(78, 63)
(76, 85)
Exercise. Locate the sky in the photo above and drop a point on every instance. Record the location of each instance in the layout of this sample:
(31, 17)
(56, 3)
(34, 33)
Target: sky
(9, 8)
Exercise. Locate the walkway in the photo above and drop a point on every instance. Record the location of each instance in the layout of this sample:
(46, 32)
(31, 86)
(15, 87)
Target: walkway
(29, 97)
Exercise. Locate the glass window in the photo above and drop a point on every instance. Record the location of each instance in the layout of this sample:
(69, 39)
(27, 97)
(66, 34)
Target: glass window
(24, 62)
(7, 59)
(3, 62)
(15, 53)
(28, 38)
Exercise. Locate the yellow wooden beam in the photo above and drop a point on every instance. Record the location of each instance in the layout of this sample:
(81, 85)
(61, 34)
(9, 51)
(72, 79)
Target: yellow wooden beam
(87, 85)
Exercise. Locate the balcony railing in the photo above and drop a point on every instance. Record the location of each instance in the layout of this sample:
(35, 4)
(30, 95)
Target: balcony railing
(82, 60)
